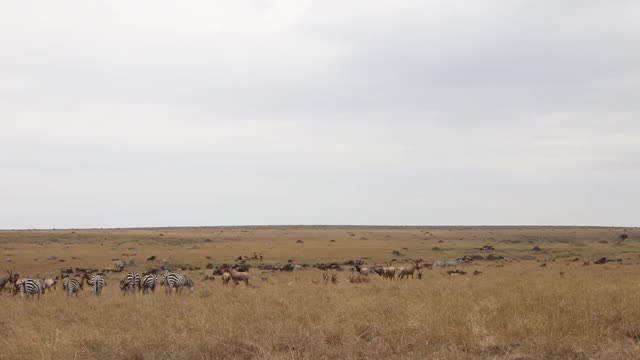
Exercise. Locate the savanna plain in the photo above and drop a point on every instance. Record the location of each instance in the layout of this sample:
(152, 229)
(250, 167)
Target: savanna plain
(539, 294)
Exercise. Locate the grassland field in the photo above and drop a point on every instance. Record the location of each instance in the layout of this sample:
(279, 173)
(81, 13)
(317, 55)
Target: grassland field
(515, 309)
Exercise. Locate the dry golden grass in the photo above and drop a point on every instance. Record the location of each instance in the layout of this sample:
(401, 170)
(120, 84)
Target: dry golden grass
(513, 310)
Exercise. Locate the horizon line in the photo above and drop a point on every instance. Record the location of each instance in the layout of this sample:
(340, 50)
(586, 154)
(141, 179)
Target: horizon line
(310, 225)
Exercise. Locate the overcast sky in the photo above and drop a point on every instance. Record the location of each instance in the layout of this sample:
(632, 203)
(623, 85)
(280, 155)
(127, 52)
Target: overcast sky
(166, 113)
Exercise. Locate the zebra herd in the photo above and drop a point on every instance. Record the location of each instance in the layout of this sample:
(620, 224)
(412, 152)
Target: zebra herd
(131, 283)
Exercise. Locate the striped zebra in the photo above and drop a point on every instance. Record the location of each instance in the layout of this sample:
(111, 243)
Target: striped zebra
(130, 283)
(177, 281)
(97, 282)
(72, 286)
(30, 287)
(148, 282)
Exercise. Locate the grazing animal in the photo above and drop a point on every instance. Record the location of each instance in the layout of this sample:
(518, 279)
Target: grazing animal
(132, 260)
(407, 271)
(420, 274)
(97, 282)
(359, 278)
(226, 277)
(72, 286)
(118, 265)
(151, 258)
(362, 270)
(386, 272)
(130, 283)
(176, 281)
(10, 278)
(238, 276)
(50, 283)
(79, 278)
(30, 287)
(390, 272)
(476, 272)
(148, 282)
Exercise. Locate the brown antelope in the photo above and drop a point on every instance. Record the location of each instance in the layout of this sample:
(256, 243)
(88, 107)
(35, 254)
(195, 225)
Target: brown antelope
(409, 270)
(226, 277)
(386, 272)
(50, 283)
(359, 278)
(238, 276)
(362, 270)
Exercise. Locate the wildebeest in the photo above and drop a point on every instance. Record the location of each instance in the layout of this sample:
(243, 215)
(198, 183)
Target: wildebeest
(287, 267)
(10, 278)
(151, 258)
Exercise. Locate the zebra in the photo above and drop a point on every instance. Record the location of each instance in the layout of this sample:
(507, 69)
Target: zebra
(130, 283)
(72, 286)
(30, 287)
(97, 282)
(118, 265)
(148, 282)
(177, 281)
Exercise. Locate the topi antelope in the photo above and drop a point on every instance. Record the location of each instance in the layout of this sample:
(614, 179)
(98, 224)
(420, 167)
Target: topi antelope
(238, 276)
(226, 277)
(407, 271)
(386, 272)
(50, 283)
(359, 278)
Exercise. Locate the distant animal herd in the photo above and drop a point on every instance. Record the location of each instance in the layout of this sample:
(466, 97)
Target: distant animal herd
(73, 282)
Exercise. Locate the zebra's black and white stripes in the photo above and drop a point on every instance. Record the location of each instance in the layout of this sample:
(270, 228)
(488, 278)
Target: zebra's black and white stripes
(148, 282)
(71, 286)
(130, 283)
(176, 281)
(30, 287)
(97, 282)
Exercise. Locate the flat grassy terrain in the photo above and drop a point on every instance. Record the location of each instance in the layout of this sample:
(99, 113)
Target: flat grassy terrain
(546, 304)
